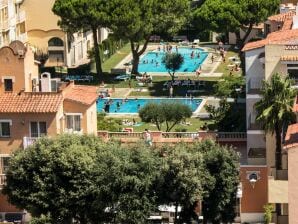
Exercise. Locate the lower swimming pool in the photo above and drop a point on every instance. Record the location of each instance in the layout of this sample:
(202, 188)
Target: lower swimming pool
(133, 105)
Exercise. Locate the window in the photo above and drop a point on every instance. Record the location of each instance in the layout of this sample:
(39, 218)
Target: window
(55, 42)
(38, 129)
(8, 85)
(73, 123)
(5, 128)
(4, 162)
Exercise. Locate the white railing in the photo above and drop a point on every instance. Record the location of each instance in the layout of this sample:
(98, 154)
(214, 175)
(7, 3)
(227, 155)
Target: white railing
(2, 180)
(21, 16)
(126, 135)
(27, 141)
(180, 134)
(4, 25)
(3, 3)
(22, 37)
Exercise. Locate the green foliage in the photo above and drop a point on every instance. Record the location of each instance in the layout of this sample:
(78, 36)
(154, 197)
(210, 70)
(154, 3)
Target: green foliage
(81, 179)
(274, 110)
(107, 123)
(218, 113)
(83, 15)
(233, 15)
(138, 20)
(53, 176)
(222, 164)
(268, 209)
(172, 61)
(166, 113)
(228, 85)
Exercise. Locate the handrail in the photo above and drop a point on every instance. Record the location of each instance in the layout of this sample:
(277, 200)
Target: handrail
(237, 135)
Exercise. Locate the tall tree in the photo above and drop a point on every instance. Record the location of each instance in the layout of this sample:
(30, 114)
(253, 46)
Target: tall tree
(137, 20)
(233, 15)
(82, 15)
(53, 177)
(222, 164)
(274, 110)
(173, 62)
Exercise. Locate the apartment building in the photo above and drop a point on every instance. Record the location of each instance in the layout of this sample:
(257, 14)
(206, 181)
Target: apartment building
(33, 22)
(32, 107)
(277, 53)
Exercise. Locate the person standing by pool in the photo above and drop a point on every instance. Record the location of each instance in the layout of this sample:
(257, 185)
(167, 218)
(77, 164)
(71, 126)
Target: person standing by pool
(148, 137)
(171, 91)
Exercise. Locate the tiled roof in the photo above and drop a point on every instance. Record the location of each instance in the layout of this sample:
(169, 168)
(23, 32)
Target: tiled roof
(282, 17)
(30, 102)
(287, 24)
(82, 94)
(291, 139)
(289, 58)
(287, 37)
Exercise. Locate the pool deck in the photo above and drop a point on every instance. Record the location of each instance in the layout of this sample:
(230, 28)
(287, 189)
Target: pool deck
(208, 68)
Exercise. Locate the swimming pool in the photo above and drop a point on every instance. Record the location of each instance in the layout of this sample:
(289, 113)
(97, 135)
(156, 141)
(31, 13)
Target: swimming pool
(151, 61)
(133, 105)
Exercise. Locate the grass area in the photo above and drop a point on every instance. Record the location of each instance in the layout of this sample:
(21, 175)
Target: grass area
(193, 124)
(158, 90)
(223, 67)
(114, 59)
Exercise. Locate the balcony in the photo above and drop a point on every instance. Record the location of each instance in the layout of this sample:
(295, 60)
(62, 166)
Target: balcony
(254, 85)
(252, 124)
(22, 37)
(4, 25)
(27, 141)
(21, 16)
(2, 180)
(3, 3)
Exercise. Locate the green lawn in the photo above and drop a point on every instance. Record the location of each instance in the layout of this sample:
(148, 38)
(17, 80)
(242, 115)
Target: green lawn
(223, 67)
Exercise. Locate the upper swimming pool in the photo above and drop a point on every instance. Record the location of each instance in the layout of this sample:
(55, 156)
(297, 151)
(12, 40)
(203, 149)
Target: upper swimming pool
(133, 105)
(193, 59)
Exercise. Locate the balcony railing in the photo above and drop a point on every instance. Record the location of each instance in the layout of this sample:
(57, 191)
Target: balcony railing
(254, 85)
(27, 141)
(2, 180)
(3, 3)
(21, 16)
(167, 136)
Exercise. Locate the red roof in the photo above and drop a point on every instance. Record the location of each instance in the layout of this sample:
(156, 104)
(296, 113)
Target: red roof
(82, 94)
(282, 16)
(282, 37)
(30, 102)
(291, 139)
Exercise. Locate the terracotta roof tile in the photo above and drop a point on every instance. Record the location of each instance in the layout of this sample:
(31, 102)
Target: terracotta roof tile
(289, 58)
(286, 37)
(291, 139)
(282, 16)
(30, 102)
(287, 24)
(82, 94)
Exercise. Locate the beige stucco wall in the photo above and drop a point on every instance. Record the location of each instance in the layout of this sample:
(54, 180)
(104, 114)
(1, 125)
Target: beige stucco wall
(30, 69)
(293, 184)
(277, 191)
(21, 128)
(73, 107)
(11, 65)
(254, 33)
(39, 15)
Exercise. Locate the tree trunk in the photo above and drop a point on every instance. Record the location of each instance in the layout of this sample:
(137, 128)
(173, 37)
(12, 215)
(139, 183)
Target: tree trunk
(278, 163)
(241, 41)
(136, 54)
(96, 53)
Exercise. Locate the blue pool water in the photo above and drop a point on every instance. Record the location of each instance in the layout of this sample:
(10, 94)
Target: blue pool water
(131, 106)
(189, 65)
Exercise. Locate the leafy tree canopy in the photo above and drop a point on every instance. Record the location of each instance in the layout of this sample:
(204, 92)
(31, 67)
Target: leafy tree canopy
(167, 113)
(172, 61)
(233, 15)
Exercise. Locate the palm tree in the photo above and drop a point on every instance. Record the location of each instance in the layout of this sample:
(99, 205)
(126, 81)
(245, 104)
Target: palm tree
(275, 109)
